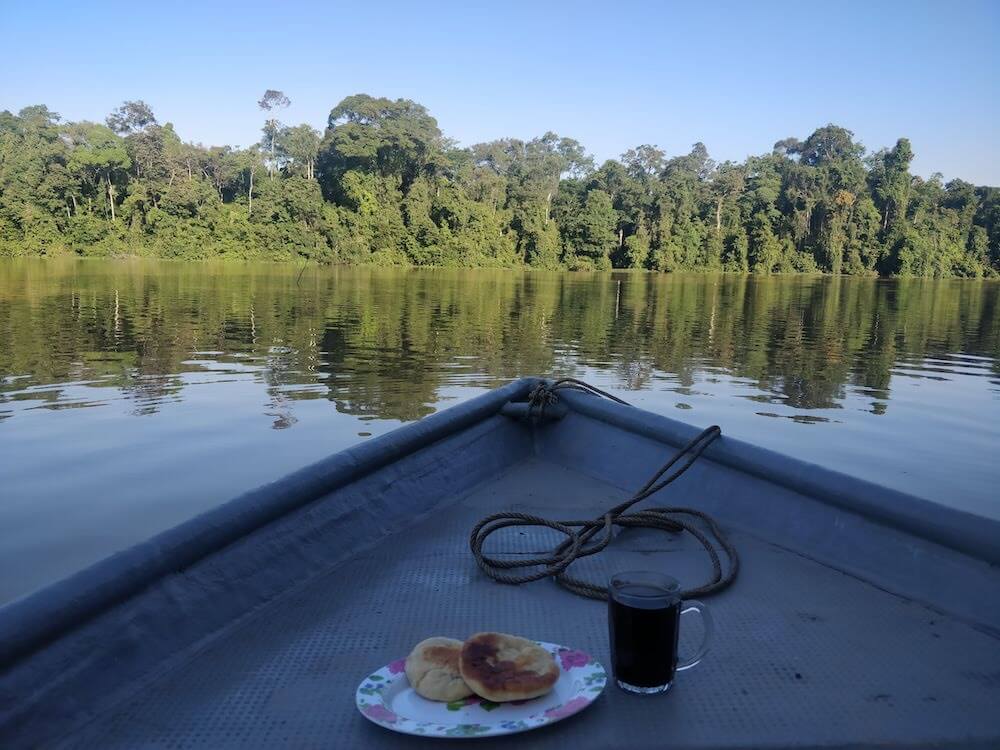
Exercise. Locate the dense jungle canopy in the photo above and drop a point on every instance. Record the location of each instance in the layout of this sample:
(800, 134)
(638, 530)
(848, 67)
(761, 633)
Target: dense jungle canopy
(382, 185)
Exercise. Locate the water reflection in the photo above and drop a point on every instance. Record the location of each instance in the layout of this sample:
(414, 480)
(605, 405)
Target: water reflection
(156, 384)
(383, 343)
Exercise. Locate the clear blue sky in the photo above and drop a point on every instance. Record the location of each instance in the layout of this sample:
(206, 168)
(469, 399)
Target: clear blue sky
(737, 76)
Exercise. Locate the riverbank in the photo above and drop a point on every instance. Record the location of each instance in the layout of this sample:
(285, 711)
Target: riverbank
(383, 186)
(63, 254)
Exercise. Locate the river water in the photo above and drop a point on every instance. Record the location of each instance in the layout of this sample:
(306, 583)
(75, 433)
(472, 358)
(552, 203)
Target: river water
(135, 394)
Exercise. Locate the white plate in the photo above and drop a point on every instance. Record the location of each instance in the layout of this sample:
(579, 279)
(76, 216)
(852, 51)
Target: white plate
(386, 698)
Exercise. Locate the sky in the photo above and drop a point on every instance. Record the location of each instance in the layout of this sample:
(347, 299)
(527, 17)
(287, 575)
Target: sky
(613, 75)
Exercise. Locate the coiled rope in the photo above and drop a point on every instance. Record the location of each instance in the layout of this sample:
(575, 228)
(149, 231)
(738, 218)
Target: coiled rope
(584, 538)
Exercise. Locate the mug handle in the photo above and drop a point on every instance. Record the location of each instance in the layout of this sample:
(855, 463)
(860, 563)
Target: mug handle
(706, 618)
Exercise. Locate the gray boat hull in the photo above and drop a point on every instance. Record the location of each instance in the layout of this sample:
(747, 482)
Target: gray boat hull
(861, 616)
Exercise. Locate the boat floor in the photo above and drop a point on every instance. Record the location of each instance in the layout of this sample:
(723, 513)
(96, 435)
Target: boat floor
(804, 655)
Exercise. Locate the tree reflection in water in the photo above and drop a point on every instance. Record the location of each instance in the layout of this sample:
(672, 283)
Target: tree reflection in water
(382, 343)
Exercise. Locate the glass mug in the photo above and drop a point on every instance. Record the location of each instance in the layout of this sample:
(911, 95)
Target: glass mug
(644, 614)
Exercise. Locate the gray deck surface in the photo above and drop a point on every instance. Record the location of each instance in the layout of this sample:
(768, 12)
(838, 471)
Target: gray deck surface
(804, 654)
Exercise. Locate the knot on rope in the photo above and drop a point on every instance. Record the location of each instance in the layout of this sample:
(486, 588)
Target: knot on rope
(544, 394)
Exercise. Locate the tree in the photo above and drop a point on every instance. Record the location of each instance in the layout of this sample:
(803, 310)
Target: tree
(245, 165)
(637, 248)
(397, 139)
(298, 147)
(764, 247)
(644, 163)
(531, 172)
(891, 181)
(987, 216)
(727, 184)
(271, 101)
(99, 156)
(737, 252)
(979, 247)
(830, 143)
(836, 229)
(696, 163)
(594, 237)
(131, 117)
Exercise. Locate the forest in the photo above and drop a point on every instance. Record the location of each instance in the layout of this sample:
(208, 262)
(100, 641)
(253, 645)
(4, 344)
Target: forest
(384, 186)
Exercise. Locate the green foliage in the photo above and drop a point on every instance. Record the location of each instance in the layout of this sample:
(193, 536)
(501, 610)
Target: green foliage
(131, 117)
(396, 139)
(383, 186)
(298, 148)
(636, 251)
(766, 249)
(591, 237)
(736, 252)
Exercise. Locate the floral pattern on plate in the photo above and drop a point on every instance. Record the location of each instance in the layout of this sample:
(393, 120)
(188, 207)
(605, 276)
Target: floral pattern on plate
(386, 698)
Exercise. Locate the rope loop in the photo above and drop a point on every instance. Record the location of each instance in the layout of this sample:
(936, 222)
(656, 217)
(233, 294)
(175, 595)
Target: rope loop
(589, 537)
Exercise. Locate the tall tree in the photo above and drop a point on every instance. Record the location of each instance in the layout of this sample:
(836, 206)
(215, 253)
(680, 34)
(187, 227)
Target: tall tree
(100, 156)
(396, 139)
(727, 184)
(131, 117)
(272, 101)
(891, 182)
(298, 147)
(245, 164)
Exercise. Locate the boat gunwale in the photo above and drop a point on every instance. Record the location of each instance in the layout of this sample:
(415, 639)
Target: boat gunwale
(956, 529)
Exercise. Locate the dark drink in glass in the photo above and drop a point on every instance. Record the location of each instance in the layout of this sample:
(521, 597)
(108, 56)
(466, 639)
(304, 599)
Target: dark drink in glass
(644, 612)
